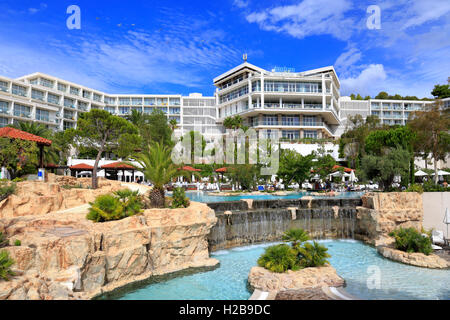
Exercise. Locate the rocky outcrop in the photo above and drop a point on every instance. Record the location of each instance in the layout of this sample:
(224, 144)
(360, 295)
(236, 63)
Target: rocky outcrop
(37, 198)
(66, 256)
(382, 213)
(415, 258)
(265, 280)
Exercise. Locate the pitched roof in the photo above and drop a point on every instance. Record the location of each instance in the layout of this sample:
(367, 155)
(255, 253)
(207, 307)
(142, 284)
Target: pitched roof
(14, 133)
(82, 166)
(118, 166)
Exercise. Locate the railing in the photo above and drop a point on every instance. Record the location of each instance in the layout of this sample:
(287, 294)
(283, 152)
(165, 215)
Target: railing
(4, 111)
(22, 114)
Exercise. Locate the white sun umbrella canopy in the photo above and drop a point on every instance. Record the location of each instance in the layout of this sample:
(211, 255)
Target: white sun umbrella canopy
(442, 173)
(352, 176)
(420, 173)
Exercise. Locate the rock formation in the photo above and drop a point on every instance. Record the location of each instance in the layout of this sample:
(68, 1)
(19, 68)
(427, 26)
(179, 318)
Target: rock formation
(66, 256)
(416, 258)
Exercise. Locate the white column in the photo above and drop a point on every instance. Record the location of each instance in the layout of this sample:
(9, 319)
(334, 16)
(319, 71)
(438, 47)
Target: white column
(262, 90)
(324, 89)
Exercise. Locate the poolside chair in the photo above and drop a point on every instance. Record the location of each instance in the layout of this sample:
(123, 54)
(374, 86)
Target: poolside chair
(438, 237)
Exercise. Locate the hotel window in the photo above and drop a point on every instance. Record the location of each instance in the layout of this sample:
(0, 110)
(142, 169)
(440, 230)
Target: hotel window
(164, 110)
(42, 115)
(124, 110)
(174, 110)
(376, 113)
(149, 101)
(86, 94)
(82, 106)
(148, 110)
(68, 125)
(124, 101)
(270, 120)
(51, 98)
(22, 111)
(109, 100)
(136, 101)
(161, 101)
(3, 122)
(69, 103)
(69, 115)
(290, 134)
(309, 121)
(111, 110)
(386, 114)
(97, 97)
(74, 91)
(310, 134)
(38, 95)
(4, 106)
(174, 101)
(34, 81)
(19, 90)
(62, 87)
(46, 83)
(4, 86)
(291, 121)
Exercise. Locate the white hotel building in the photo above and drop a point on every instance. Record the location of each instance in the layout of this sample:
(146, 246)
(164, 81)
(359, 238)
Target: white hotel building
(299, 104)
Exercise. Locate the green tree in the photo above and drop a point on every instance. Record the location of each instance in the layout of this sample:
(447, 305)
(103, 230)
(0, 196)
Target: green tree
(382, 95)
(100, 130)
(384, 167)
(173, 124)
(156, 129)
(441, 91)
(431, 127)
(296, 236)
(16, 154)
(156, 164)
(294, 167)
(324, 164)
(246, 176)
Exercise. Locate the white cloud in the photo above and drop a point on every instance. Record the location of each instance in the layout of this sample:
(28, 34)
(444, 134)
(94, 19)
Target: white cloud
(367, 82)
(347, 60)
(309, 17)
(42, 6)
(241, 3)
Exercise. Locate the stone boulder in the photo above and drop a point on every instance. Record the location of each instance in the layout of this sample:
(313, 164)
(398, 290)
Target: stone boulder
(382, 213)
(77, 258)
(415, 259)
(265, 280)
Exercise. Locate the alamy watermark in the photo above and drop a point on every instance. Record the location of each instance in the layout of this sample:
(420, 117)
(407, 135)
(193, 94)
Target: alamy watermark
(374, 20)
(235, 147)
(74, 20)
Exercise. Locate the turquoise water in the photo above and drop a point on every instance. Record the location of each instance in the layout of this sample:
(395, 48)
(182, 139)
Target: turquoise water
(353, 260)
(209, 197)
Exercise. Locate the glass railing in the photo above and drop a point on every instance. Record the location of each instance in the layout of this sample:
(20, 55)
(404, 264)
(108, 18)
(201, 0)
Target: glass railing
(4, 89)
(290, 123)
(312, 106)
(22, 114)
(4, 111)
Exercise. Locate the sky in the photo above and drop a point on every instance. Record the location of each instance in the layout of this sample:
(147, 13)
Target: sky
(178, 47)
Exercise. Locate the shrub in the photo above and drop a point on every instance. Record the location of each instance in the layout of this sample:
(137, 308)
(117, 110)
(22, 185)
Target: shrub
(279, 258)
(313, 255)
(17, 243)
(6, 189)
(17, 179)
(415, 188)
(3, 241)
(429, 186)
(410, 240)
(301, 254)
(179, 199)
(5, 265)
(119, 205)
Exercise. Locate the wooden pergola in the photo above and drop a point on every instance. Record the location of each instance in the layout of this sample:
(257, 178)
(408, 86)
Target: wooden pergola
(115, 167)
(13, 133)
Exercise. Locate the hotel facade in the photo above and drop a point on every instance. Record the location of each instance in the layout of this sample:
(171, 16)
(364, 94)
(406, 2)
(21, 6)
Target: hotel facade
(297, 105)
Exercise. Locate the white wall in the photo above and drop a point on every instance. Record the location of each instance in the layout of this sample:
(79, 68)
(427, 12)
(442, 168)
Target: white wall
(305, 149)
(434, 204)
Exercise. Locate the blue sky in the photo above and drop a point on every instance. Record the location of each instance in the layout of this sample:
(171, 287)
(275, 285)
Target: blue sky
(180, 46)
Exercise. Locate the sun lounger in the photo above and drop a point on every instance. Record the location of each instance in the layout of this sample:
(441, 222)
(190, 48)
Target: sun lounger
(438, 237)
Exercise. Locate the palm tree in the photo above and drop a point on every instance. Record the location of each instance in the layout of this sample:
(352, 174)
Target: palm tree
(173, 124)
(296, 236)
(136, 117)
(158, 168)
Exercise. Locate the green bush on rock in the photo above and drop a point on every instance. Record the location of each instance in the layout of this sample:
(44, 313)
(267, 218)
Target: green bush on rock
(279, 258)
(116, 206)
(5, 265)
(410, 240)
(179, 199)
(300, 254)
(6, 189)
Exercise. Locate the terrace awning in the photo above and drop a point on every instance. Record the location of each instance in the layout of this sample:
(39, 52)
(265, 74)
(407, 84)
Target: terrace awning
(224, 169)
(189, 168)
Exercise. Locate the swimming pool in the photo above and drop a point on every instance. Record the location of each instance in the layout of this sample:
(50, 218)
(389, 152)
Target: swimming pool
(200, 196)
(354, 261)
